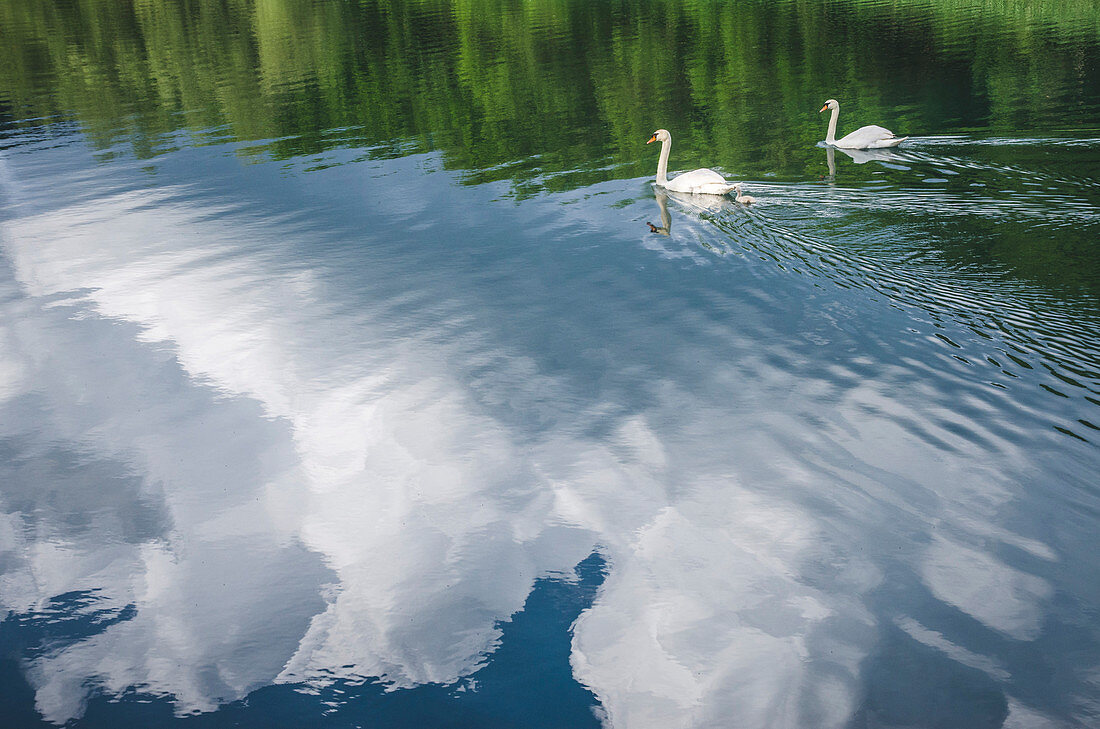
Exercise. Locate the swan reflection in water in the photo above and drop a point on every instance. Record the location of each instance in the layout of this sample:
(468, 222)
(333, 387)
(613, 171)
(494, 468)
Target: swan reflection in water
(886, 157)
(666, 220)
(694, 203)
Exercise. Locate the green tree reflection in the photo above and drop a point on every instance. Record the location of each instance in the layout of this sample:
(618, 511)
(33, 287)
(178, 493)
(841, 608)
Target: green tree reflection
(554, 93)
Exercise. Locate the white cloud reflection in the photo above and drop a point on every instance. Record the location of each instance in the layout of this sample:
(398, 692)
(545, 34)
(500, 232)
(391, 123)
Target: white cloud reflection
(430, 524)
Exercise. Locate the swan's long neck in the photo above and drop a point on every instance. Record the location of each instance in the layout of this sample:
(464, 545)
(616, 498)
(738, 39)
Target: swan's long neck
(830, 136)
(662, 164)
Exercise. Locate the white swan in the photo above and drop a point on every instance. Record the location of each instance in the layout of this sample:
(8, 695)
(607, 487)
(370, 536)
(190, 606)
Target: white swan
(743, 199)
(868, 137)
(704, 181)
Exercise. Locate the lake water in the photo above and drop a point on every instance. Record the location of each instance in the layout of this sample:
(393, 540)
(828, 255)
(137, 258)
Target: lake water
(353, 373)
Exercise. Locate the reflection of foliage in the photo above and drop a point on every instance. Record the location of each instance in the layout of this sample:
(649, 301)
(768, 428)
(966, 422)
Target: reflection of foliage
(553, 94)
(554, 85)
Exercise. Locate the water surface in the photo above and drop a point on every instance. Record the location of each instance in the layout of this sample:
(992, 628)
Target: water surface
(353, 373)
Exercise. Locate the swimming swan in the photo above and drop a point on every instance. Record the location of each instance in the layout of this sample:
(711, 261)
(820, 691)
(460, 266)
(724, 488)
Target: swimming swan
(704, 181)
(868, 137)
(743, 199)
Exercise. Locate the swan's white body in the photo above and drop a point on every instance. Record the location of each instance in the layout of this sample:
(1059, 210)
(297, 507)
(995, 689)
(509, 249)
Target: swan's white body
(868, 137)
(696, 182)
(743, 199)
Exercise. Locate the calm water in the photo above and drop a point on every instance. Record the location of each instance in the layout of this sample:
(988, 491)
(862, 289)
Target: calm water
(353, 373)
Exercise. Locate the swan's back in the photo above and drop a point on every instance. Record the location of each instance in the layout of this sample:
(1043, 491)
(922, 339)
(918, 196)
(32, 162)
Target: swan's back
(704, 181)
(869, 137)
(872, 135)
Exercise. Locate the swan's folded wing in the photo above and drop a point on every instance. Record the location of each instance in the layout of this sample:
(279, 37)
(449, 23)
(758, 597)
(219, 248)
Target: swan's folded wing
(891, 142)
(714, 188)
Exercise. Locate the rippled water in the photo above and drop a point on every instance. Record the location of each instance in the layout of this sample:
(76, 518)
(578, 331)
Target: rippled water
(354, 373)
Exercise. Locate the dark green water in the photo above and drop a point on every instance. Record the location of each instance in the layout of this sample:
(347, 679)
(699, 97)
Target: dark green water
(353, 373)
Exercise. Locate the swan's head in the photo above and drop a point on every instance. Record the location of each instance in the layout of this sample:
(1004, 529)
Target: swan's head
(661, 135)
(830, 104)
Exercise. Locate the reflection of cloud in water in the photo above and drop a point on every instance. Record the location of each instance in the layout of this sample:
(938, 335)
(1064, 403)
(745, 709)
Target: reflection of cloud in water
(706, 621)
(983, 587)
(425, 512)
(207, 629)
(332, 423)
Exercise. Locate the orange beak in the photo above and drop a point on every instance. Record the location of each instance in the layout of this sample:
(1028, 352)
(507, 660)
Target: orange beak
(822, 108)
(652, 139)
